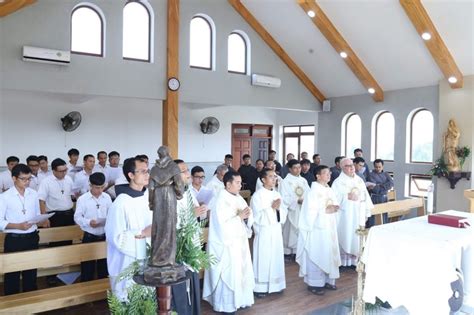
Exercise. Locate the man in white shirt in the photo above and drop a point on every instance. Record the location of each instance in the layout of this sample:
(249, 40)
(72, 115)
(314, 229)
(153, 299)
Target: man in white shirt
(293, 190)
(355, 207)
(33, 164)
(55, 195)
(202, 194)
(113, 173)
(44, 168)
(229, 283)
(129, 218)
(18, 205)
(90, 215)
(101, 165)
(6, 176)
(269, 215)
(72, 166)
(81, 180)
(216, 184)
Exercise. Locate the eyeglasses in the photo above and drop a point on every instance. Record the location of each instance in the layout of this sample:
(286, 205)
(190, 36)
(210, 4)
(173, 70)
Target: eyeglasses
(143, 172)
(24, 179)
(199, 177)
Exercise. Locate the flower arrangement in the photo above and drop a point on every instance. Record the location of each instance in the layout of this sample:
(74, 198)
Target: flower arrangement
(463, 153)
(439, 168)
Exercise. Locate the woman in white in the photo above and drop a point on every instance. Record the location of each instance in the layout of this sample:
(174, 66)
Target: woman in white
(269, 216)
(318, 246)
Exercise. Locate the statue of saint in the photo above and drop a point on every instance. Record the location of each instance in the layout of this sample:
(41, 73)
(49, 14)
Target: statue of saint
(165, 188)
(451, 141)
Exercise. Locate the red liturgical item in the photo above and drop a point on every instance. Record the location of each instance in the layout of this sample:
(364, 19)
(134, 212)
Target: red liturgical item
(448, 220)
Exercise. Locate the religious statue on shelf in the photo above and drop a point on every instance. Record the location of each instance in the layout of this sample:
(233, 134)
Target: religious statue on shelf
(451, 141)
(166, 187)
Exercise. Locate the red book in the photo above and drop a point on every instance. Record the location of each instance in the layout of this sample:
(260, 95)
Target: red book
(448, 220)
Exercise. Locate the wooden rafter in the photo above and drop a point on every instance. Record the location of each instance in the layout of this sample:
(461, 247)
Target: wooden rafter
(421, 21)
(9, 6)
(267, 38)
(170, 105)
(335, 38)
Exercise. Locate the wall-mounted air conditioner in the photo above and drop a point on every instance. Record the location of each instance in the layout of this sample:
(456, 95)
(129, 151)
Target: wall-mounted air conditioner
(44, 55)
(265, 80)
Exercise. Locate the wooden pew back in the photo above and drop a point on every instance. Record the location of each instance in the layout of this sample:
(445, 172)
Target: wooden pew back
(396, 208)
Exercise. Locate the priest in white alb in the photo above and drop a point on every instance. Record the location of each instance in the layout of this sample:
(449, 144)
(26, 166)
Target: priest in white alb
(129, 219)
(318, 246)
(229, 283)
(293, 189)
(355, 207)
(269, 215)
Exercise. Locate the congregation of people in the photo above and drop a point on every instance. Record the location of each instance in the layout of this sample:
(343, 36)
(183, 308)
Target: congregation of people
(301, 211)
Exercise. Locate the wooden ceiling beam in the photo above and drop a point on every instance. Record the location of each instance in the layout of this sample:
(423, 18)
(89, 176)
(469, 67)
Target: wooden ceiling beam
(336, 40)
(439, 51)
(267, 38)
(9, 6)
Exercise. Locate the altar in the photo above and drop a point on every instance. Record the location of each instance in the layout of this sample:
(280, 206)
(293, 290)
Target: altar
(413, 263)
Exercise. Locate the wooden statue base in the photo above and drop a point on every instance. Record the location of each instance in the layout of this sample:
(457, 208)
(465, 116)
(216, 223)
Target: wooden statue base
(154, 276)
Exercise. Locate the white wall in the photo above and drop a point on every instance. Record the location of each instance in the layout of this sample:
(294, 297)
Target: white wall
(457, 104)
(30, 124)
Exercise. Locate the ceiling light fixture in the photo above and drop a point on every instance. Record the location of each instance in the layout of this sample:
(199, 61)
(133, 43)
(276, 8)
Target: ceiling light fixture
(311, 14)
(371, 90)
(343, 54)
(452, 80)
(426, 36)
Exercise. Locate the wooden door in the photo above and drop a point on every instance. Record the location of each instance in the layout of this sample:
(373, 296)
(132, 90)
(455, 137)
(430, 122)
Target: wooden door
(250, 139)
(260, 148)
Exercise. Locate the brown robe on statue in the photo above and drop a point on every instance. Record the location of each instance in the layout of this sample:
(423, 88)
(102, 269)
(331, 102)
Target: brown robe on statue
(166, 187)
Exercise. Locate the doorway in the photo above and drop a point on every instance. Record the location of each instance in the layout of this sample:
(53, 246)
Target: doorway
(255, 140)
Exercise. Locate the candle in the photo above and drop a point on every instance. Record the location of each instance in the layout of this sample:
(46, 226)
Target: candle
(429, 201)
(362, 217)
(140, 248)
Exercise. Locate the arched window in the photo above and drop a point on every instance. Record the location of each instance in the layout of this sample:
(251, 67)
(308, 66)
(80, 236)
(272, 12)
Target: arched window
(201, 43)
(237, 53)
(384, 136)
(137, 22)
(87, 30)
(421, 136)
(351, 134)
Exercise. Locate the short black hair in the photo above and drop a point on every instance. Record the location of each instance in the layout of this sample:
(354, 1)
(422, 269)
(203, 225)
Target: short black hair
(315, 155)
(358, 150)
(178, 161)
(272, 151)
(229, 177)
(305, 161)
(319, 169)
(42, 158)
(292, 163)
(358, 160)
(12, 158)
(265, 171)
(32, 158)
(289, 155)
(97, 178)
(20, 169)
(142, 156)
(268, 161)
(196, 169)
(87, 156)
(57, 162)
(101, 152)
(260, 161)
(228, 156)
(113, 153)
(130, 165)
(73, 152)
(378, 161)
(338, 159)
(245, 156)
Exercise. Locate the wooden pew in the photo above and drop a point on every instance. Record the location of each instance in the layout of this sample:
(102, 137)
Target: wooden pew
(58, 297)
(56, 234)
(398, 208)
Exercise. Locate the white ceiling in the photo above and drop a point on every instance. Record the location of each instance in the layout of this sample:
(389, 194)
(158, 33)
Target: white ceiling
(378, 31)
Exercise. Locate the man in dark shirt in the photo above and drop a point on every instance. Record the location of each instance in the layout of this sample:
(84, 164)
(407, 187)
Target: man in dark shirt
(305, 171)
(336, 169)
(248, 174)
(272, 157)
